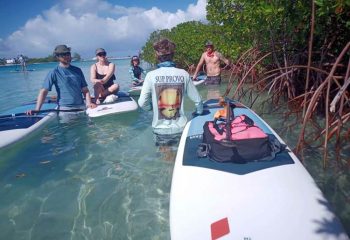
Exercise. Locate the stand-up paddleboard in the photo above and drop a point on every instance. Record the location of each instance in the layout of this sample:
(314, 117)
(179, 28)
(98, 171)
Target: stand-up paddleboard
(124, 103)
(22, 71)
(15, 128)
(275, 199)
(199, 80)
(135, 91)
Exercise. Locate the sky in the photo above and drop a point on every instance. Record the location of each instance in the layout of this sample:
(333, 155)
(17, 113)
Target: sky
(34, 28)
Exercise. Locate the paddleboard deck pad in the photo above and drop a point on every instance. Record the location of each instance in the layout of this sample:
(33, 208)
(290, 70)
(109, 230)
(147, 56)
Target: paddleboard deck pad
(16, 128)
(275, 199)
(123, 104)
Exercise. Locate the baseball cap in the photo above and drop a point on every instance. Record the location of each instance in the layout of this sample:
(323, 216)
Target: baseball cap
(209, 43)
(100, 50)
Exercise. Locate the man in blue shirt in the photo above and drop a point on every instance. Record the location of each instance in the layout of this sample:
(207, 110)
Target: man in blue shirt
(69, 82)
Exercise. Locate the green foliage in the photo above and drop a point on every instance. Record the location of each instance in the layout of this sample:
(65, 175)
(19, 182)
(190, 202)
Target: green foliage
(147, 50)
(76, 57)
(281, 25)
(333, 23)
(50, 58)
(189, 38)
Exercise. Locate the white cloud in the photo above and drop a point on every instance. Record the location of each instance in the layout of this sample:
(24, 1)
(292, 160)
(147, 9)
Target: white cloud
(85, 25)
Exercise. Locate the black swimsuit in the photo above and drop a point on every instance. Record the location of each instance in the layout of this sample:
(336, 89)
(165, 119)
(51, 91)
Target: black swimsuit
(110, 80)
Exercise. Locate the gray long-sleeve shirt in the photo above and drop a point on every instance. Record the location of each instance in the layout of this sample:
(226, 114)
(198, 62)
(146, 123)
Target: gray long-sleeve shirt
(164, 89)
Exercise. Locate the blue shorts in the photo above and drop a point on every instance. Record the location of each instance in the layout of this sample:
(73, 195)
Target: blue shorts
(213, 80)
(167, 139)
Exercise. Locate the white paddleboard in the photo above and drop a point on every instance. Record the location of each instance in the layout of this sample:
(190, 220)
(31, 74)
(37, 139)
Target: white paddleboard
(253, 201)
(16, 128)
(200, 80)
(135, 90)
(124, 103)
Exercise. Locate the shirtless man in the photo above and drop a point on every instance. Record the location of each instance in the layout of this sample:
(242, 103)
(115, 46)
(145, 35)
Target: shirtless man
(212, 60)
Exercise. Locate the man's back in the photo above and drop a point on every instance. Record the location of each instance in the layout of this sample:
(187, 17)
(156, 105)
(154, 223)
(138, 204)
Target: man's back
(168, 85)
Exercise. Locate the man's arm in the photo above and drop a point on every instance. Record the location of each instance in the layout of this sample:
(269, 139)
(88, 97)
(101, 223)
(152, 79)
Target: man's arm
(39, 101)
(222, 58)
(199, 66)
(86, 93)
(41, 98)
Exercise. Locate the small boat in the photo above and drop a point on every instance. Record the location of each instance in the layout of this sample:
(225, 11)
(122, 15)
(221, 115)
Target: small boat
(275, 199)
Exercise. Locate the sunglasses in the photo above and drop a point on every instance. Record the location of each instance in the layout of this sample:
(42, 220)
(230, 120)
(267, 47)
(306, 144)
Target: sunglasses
(64, 54)
(102, 54)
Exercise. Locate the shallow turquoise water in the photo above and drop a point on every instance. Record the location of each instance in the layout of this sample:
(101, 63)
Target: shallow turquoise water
(89, 179)
(98, 179)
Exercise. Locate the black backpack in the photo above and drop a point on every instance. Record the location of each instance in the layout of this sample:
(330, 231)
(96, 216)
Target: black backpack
(226, 148)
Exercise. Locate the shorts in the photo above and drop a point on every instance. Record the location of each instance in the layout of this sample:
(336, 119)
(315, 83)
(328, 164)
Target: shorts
(167, 139)
(66, 117)
(213, 80)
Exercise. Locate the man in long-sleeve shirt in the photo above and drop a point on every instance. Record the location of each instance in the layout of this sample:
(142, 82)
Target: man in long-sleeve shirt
(164, 90)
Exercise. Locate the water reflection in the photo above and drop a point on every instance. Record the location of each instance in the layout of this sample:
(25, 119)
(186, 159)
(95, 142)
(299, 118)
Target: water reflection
(106, 179)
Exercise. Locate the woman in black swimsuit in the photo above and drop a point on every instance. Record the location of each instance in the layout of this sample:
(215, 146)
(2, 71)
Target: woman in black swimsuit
(102, 76)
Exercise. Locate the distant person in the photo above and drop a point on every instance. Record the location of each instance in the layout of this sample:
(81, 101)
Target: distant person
(102, 76)
(69, 82)
(22, 62)
(165, 89)
(136, 71)
(212, 59)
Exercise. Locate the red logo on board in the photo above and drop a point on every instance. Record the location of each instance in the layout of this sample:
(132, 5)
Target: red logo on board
(219, 228)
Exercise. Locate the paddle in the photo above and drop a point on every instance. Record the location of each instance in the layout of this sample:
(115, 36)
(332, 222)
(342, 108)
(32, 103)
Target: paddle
(42, 111)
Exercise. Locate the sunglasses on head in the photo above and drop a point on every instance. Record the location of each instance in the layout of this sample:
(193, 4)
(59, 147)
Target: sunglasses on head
(66, 54)
(101, 54)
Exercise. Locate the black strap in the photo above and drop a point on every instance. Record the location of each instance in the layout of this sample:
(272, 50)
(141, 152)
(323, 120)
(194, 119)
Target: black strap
(229, 119)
